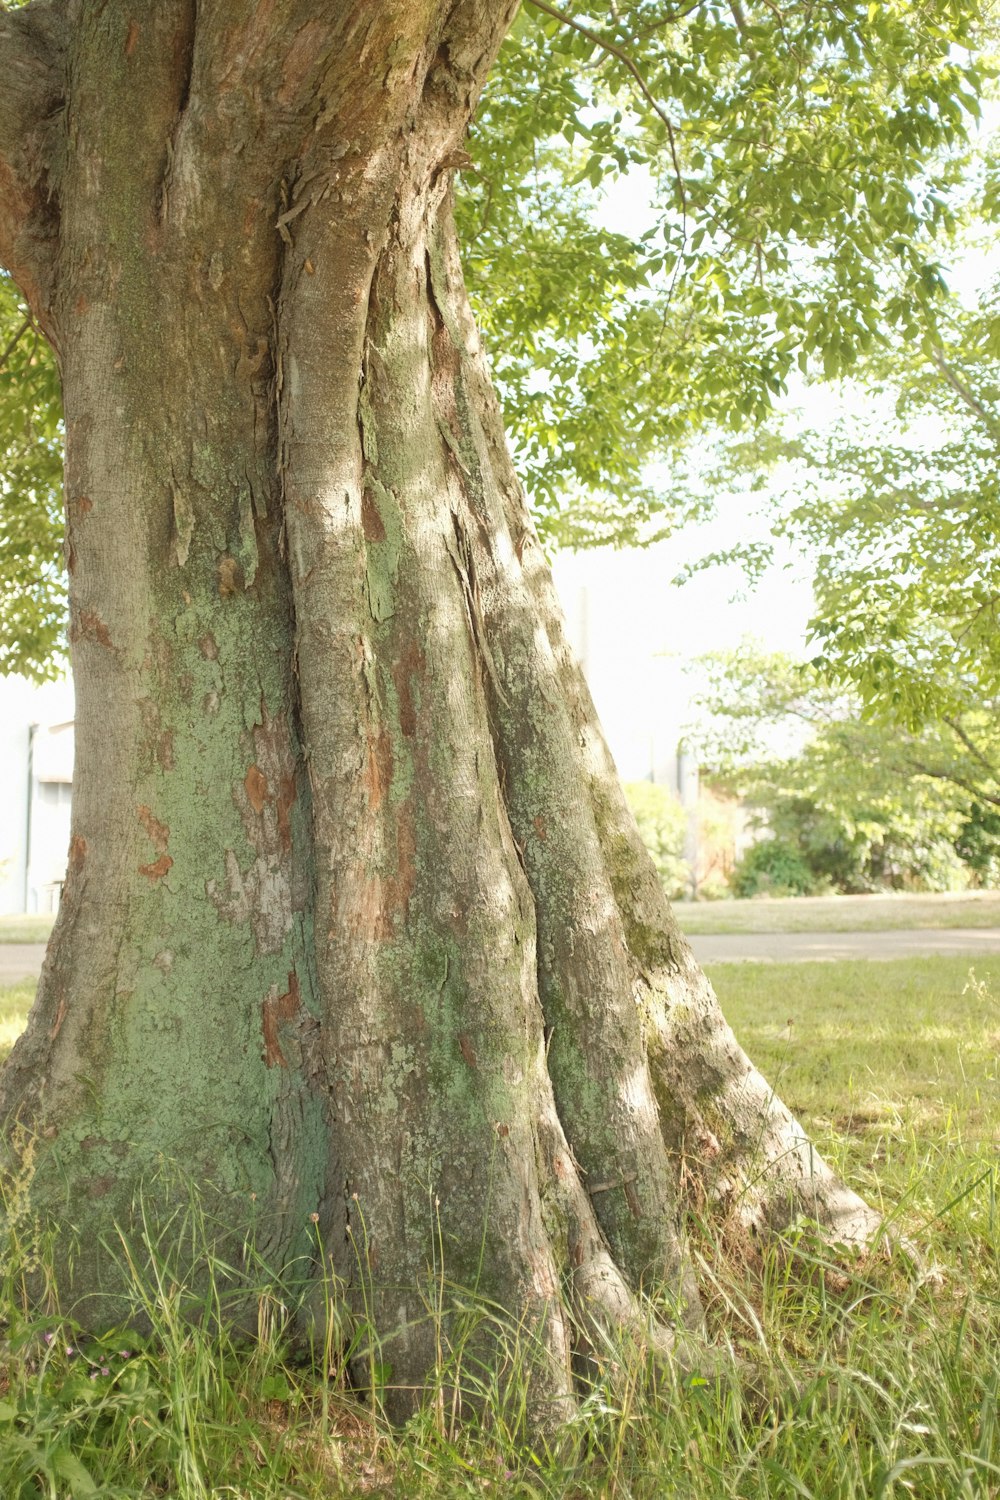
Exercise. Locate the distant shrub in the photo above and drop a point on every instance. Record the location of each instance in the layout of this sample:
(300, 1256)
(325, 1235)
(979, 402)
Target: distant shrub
(662, 820)
(772, 868)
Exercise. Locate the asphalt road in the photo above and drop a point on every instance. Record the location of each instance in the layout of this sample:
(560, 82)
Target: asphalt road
(20, 961)
(24, 960)
(798, 947)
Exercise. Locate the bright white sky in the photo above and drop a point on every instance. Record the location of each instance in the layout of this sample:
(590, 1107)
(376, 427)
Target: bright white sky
(635, 631)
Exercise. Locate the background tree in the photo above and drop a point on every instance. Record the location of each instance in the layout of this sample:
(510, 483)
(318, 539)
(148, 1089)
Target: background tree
(358, 930)
(32, 576)
(890, 496)
(856, 802)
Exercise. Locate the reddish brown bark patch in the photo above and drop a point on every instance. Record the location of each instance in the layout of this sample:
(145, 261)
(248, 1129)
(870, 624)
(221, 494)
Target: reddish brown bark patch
(378, 768)
(286, 801)
(371, 520)
(411, 665)
(540, 829)
(89, 626)
(165, 750)
(300, 59)
(132, 37)
(467, 1050)
(77, 851)
(157, 871)
(60, 1017)
(381, 899)
(256, 788)
(275, 1010)
(230, 577)
(157, 832)
(208, 646)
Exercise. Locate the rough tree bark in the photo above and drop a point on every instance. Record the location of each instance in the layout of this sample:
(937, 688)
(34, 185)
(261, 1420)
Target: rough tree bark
(357, 923)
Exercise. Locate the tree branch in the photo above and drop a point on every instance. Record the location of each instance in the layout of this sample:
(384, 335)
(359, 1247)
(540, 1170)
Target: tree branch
(627, 62)
(961, 389)
(31, 85)
(971, 746)
(952, 777)
(6, 353)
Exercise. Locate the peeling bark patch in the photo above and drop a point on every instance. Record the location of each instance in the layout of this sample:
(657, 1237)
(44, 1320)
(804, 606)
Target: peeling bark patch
(208, 646)
(300, 59)
(157, 871)
(60, 1017)
(256, 787)
(380, 900)
(230, 577)
(262, 894)
(278, 1008)
(157, 832)
(77, 851)
(371, 520)
(132, 37)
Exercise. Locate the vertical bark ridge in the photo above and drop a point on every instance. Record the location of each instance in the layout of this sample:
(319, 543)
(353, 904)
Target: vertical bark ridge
(721, 1121)
(596, 1056)
(174, 1018)
(432, 1033)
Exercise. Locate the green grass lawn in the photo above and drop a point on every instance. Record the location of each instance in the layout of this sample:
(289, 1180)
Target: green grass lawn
(876, 1377)
(841, 913)
(893, 1067)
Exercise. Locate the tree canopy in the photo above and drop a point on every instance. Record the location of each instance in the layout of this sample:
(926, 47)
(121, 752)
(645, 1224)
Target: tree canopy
(804, 165)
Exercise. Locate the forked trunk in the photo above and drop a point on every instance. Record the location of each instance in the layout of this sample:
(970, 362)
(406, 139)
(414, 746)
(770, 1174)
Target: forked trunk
(358, 932)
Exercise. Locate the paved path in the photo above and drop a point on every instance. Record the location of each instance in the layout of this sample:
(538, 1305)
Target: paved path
(20, 961)
(24, 960)
(794, 947)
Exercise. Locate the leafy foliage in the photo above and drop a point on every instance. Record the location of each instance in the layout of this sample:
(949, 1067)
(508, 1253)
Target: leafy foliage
(662, 821)
(32, 586)
(802, 159)
(866, 804)
(772, 868)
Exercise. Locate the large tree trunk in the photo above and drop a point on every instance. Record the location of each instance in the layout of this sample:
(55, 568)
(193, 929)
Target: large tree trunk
(357, 924)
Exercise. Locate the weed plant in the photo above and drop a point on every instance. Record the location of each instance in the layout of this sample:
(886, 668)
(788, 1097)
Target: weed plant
(854, 1376)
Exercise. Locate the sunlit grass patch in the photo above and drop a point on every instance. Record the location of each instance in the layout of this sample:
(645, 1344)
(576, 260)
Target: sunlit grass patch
(918, 1037)
(15, 1002)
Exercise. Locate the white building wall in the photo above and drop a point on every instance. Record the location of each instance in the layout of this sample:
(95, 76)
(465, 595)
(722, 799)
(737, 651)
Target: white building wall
(620, 610)
(36, 768)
